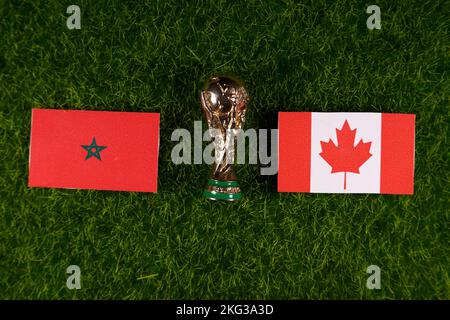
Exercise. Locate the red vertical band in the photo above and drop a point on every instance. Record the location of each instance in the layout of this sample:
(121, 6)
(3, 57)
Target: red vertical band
(397, 153)
(294, 151)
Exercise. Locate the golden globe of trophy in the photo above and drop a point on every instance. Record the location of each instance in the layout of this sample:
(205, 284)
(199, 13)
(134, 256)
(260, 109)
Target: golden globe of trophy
(224, 100)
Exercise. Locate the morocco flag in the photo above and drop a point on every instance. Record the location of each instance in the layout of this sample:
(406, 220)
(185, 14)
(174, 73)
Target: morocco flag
(101, 150)
(346, 152)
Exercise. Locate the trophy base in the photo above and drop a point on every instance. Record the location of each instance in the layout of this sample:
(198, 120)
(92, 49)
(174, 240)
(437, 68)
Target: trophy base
(223, 190)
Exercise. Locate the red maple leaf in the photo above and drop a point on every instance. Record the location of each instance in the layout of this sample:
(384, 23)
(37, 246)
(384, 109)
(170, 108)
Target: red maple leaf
(345, 157)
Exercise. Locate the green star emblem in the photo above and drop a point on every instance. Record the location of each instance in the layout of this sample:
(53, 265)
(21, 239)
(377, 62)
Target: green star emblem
(93, 150)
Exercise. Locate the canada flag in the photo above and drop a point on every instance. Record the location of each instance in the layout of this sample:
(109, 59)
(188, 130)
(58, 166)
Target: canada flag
(346, 152)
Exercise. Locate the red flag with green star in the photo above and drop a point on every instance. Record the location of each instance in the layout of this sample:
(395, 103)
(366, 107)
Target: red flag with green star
(103, 150)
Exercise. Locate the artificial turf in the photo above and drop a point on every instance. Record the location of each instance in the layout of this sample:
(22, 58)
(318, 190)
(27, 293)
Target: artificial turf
(293, 56)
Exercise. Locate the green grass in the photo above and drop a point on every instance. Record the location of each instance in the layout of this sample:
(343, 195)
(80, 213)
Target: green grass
(310, 56)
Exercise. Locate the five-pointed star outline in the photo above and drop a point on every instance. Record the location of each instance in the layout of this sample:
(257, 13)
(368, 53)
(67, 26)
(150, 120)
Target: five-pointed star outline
(93, 150)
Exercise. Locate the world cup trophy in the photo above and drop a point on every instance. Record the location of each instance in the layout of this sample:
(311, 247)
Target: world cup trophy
(224, 100)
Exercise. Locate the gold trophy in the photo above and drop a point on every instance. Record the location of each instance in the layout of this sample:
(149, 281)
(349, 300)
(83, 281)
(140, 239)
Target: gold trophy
(224, 100)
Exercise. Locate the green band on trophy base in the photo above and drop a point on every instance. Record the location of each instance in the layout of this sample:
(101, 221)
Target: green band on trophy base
(213, 195)
(223, 184)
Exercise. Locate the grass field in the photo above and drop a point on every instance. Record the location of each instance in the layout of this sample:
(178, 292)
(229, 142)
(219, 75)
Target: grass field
(293, 56)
